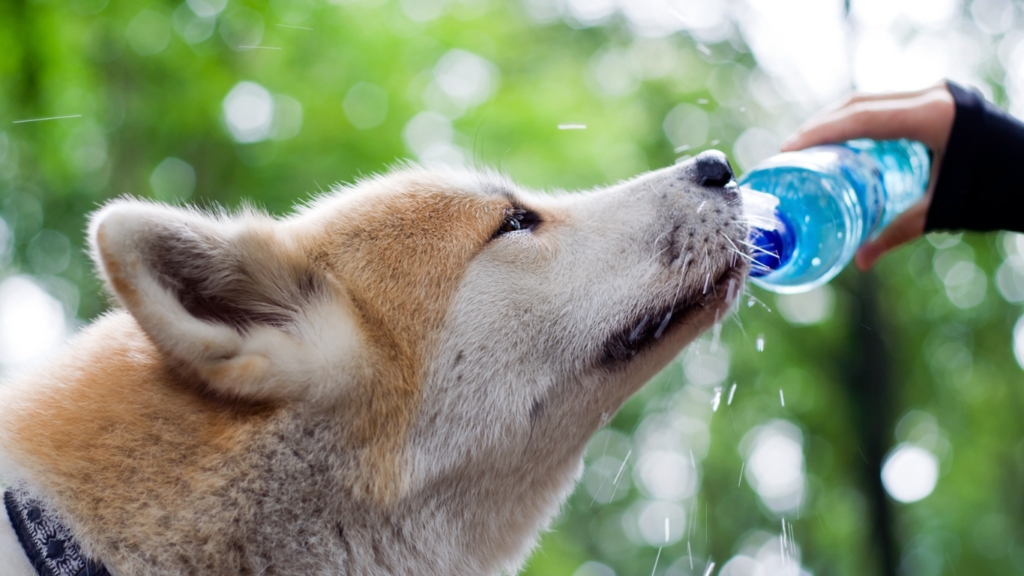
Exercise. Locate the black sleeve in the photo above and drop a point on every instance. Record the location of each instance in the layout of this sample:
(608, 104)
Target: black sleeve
(980, 186)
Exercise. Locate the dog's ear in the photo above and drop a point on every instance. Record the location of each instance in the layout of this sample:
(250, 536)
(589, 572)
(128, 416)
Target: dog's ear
(232, 299)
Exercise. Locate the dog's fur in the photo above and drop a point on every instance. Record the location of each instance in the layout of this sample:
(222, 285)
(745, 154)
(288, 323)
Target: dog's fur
(382, 383)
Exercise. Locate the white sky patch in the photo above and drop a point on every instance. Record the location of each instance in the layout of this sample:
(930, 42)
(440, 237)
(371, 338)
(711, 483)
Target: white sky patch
(910, 473)
(802, 44)
(32, 323)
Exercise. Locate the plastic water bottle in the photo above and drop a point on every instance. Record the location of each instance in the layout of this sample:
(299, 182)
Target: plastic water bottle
(810, 210)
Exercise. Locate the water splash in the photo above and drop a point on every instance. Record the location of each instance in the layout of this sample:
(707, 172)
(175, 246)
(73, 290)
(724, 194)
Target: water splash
(615, 483)
(717, 399)
(716, 332)
(44, 119)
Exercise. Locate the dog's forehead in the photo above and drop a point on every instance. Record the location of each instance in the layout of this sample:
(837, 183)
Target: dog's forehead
(399, 244)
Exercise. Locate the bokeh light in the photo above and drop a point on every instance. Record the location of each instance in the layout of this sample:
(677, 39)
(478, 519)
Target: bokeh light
(910, 473)
(1018, 341)
(366, 105)
(811, 307)
(775, 464)
(173, 180)
(249, 112)
(32, 323)
(592, 568)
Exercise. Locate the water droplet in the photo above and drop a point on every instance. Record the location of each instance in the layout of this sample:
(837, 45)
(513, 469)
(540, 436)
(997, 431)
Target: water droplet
(717, 399)
(750, 303)
(816, 262)
(759, 343)
(807, 219)
(839, 235)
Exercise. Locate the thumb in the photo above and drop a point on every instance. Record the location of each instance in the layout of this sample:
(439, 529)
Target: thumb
(905, 227)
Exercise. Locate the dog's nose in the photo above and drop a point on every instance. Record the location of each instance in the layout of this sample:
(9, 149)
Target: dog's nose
(712, 168)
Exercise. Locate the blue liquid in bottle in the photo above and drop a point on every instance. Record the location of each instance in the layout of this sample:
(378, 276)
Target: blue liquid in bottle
(831, 199)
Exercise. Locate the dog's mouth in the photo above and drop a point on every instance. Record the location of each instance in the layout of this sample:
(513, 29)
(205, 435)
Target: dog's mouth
(652, 325)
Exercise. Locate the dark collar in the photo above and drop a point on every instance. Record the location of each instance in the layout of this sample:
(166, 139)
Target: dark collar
(47, 543)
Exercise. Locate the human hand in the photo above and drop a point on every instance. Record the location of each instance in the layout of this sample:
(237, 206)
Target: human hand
(925, 115)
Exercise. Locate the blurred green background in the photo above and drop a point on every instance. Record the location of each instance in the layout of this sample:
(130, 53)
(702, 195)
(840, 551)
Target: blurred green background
(763, 449)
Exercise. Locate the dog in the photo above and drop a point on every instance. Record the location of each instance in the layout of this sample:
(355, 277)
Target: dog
(399, 378)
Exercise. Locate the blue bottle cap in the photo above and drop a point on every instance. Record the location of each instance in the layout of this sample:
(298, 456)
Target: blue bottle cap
(772, 248)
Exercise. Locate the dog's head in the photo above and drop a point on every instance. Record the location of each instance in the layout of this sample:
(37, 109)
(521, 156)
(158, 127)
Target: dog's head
(451, 319)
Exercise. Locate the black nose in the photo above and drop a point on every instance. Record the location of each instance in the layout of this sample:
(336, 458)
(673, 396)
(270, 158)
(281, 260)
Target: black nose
(712, 168)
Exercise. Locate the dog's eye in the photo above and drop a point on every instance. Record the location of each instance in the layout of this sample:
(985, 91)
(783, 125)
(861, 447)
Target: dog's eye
(511, 224)
(518, 219)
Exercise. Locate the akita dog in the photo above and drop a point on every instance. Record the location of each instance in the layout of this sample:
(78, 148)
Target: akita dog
(400, 378)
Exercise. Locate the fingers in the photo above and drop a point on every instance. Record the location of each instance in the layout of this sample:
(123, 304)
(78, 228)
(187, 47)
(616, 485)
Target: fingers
(879, 120)
(904, 228)
(863, 97)
(925, 115)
